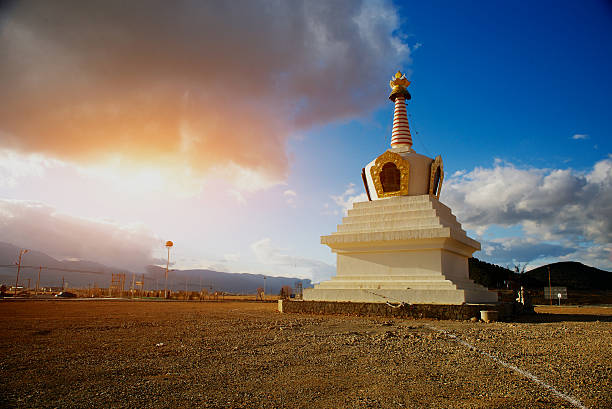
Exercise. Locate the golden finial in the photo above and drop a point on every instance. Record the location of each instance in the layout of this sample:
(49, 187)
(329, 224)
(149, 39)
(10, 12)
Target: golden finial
(398, 86)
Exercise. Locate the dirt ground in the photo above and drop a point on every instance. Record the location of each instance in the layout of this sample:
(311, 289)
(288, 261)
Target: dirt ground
(574, 309)
(94, 354)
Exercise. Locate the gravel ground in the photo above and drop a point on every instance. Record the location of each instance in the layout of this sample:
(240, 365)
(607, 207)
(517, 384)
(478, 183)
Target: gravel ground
(92, 354)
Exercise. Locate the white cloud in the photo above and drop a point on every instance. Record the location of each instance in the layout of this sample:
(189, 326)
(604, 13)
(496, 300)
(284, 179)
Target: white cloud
(281, 263)
(231, 257)
(580, 136)
(15, 167)
(244, 179)
(562, 212)
(238, 196)
(345, 200)
(290, 197)
(37, 226)
(228, 263)
(598, 255)
(329, 211)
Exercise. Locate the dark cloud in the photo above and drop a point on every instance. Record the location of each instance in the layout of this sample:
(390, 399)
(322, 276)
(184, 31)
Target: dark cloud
(506, 251)
(188, 84)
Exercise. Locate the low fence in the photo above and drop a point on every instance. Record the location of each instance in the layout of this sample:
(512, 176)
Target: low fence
(436, 311)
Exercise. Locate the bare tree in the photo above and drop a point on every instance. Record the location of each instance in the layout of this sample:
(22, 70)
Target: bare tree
(520, 269)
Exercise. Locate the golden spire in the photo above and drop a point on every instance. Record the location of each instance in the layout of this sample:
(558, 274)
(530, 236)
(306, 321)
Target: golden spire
(398, 86)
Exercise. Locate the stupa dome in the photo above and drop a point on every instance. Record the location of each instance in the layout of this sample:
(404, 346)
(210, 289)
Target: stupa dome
(400, 171)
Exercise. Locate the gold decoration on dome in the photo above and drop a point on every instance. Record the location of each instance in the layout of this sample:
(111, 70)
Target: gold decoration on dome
(435, 183)
(391, 159)
(398, 85)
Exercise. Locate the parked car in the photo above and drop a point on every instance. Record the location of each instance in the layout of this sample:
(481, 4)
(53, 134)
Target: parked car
(66, 294)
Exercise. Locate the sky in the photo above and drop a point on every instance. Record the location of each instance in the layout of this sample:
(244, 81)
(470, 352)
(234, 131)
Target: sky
(238, 130)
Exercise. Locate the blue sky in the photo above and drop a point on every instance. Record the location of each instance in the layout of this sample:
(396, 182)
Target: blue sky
(489, 82)
(513, 81)
(515, 97)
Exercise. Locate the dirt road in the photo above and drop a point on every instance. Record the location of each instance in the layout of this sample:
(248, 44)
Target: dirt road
(93, 354)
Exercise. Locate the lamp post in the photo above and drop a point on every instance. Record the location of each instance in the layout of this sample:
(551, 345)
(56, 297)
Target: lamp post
(168, 245)
(21, 253)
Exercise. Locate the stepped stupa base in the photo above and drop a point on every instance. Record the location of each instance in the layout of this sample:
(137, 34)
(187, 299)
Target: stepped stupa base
(404, 249)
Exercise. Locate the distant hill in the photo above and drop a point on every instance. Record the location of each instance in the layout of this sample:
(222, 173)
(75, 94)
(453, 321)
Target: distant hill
(82, 273)
(77, 273)
(570, 274)
(219, 281)
(489, 275)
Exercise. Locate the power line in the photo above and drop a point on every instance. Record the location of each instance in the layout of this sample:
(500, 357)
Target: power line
(417, 135)
(69, 270)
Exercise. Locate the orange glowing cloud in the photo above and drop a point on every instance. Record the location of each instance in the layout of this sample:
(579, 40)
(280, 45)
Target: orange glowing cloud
(190, 85)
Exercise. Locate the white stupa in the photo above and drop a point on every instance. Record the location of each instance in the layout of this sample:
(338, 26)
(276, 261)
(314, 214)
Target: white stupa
(403, 245)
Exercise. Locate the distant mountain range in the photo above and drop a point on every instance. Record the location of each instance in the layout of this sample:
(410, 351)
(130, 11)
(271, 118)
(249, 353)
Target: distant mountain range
(82, 273)
(570, 274)
(74, 272)
(244, 283)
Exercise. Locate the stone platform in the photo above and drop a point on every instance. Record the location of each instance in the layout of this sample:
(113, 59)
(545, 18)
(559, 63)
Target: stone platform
(434, 311)
(407, 249)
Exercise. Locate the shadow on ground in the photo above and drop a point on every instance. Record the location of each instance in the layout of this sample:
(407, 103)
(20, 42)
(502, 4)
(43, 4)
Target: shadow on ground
(552, 317)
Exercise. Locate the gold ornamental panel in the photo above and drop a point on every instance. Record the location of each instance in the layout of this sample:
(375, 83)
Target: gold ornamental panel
(386, 160)
(436, 178)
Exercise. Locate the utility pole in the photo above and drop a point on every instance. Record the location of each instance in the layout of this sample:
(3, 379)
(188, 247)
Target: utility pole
(21, 253)
(264, 293)
(133, 286)
(38, 281)
(168, 245)
(63, 283)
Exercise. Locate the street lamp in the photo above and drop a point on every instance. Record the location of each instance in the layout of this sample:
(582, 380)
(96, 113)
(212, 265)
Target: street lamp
(168, 245)
(21, 253)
